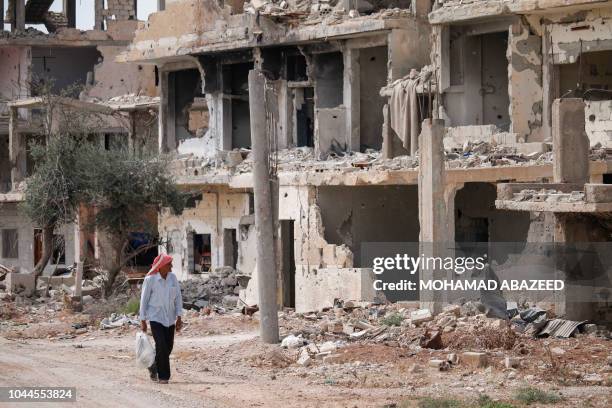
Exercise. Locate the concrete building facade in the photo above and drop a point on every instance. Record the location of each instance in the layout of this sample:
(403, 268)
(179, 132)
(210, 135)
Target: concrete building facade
(80, 67)
(395, 121)
(488, 71)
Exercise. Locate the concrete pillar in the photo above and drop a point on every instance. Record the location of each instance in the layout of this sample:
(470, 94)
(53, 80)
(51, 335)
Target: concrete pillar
(70, 11)
(161, 5)
(576, 231)
(264, 211)
(171, 142)
(550, 78)
(433, 211)
(421, 8)
(432, 208)
(78, 280)
(16, 149)
(163, 112)
(571, 165)
(99, 15)
(225, 120)
(18, 15)
(351, 91)
(570, 142)
(387, 145)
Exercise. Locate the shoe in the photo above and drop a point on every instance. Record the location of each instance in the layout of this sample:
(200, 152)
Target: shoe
(163, 381)
(153, 372)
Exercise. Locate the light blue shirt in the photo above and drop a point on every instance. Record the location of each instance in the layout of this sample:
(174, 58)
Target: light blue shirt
(161, 300)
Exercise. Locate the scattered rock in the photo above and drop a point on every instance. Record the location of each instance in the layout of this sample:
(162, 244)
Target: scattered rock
(420, 316)
(432, 340)
(440, 365)
(292, 342)
(558, 351)
(475, 359)
(328, 346)
(512, 362)
(472, 308)
(415, 368)
(332, 358)
(335, 327)
(593, 379)
(230, 301)
(304, 358)
(453, 310)
(453, 358)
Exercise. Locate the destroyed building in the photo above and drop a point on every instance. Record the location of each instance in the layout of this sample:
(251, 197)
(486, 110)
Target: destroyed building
(349, 85)
(41, 46)
(348, 171)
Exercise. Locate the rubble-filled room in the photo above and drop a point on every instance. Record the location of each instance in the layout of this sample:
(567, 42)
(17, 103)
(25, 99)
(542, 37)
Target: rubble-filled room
(307, 203)
(353, 215)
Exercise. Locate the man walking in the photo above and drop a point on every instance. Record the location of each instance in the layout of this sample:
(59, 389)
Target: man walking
(161, 304)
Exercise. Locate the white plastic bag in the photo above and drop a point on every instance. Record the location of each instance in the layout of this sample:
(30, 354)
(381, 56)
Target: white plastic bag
(145, 353)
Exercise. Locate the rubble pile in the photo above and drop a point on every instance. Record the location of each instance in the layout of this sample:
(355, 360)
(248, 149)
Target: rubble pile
(549, 195)
(486, 154)
(318, 336)
(218, 289)
(118, 320)
(300, 159)
(311, 12)
(127, 99)
(29, 32)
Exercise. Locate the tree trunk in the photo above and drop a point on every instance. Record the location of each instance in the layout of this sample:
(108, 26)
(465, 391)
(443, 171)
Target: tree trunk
(110, 281)
(115, 268)
(47, 251)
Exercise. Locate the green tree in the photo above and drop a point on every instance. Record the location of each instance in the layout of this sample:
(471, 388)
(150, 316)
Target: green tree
(52, 193)
(123, 187)
(127, 190)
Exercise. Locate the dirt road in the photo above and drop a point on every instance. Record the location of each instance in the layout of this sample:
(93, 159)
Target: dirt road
(222, 364)
(104, 372)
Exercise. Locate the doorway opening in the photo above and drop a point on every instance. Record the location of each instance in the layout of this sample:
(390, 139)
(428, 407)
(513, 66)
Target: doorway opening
(202, 253)
(230, 247)
(287, 262)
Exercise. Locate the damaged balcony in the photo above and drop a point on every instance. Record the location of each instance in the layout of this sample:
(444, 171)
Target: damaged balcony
(324, 76)
(121, 121)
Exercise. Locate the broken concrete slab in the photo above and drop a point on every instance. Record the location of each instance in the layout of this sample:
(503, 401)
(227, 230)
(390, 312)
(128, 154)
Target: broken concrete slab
(420, 316)
(475, 359)
(20, 283)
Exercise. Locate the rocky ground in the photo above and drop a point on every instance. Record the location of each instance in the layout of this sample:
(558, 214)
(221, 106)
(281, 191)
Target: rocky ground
(355, 355)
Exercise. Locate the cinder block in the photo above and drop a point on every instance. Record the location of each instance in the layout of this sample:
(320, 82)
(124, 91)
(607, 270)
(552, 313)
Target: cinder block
(20, 283)
(475, 359)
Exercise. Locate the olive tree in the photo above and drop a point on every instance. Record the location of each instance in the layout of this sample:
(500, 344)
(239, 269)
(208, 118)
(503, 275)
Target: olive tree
(127, 190)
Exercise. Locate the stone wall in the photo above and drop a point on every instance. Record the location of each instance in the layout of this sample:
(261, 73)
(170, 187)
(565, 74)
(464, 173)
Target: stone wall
(11, 218)
(598, 122)
(218, 209)
(120, 9)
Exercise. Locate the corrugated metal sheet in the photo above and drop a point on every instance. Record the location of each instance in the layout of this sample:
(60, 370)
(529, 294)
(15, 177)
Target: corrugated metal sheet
(560, 328)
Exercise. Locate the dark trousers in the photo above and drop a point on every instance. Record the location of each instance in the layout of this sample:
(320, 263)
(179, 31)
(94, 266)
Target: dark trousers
(164, 341)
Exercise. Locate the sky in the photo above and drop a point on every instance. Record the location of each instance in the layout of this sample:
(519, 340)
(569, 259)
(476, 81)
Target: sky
(85, 12)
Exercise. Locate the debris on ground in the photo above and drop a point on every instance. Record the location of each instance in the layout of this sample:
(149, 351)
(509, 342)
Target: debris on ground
(115, 321)
(218, 288)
